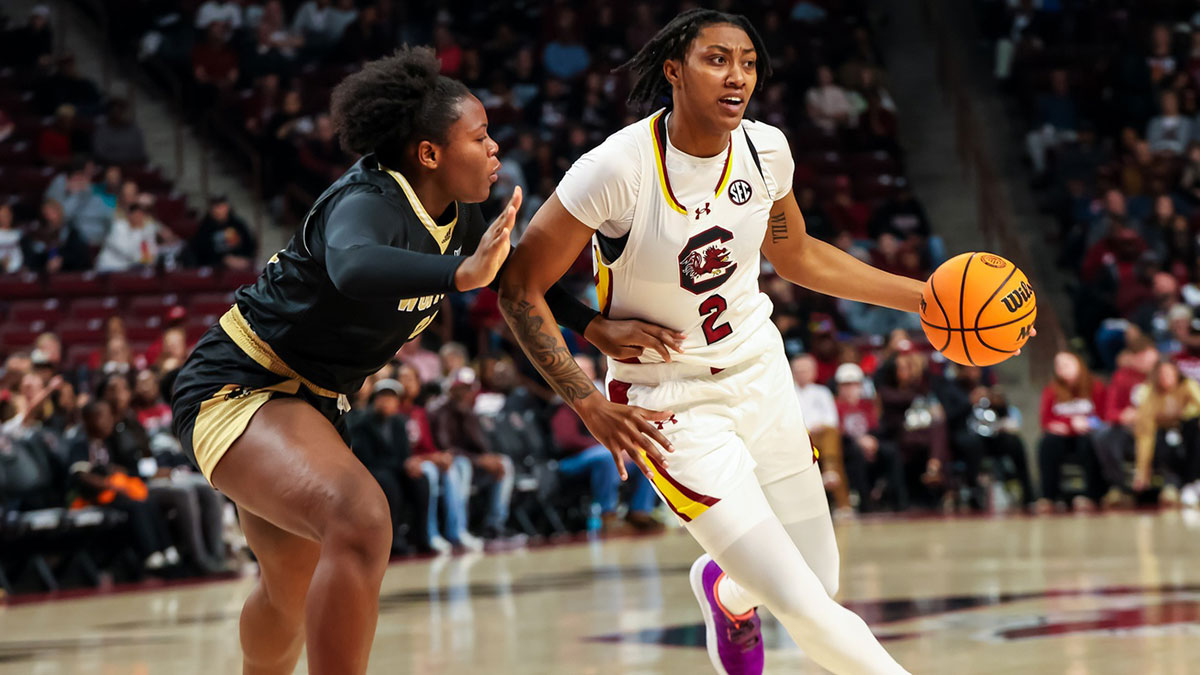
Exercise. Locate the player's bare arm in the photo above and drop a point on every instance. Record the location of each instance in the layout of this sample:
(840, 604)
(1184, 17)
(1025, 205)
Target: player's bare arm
(552, 242)
(816, 265)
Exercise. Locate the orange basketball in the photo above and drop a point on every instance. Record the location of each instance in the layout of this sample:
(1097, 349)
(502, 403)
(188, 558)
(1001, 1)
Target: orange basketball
(977, 309)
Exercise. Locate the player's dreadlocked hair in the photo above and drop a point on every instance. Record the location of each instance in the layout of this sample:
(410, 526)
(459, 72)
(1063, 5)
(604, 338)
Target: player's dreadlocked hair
(396, 101)
(672, 42)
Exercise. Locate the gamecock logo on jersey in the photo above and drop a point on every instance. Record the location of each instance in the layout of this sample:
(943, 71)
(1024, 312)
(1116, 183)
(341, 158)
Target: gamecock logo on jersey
(704, 264)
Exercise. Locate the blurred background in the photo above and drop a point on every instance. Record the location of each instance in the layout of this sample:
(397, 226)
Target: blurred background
(154, 153)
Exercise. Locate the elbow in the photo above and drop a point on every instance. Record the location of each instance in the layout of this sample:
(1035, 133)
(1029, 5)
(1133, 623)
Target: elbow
(515, 287)
(348, 282)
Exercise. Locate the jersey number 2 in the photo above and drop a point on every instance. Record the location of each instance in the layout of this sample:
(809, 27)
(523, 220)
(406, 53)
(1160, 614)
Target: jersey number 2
(713, 307)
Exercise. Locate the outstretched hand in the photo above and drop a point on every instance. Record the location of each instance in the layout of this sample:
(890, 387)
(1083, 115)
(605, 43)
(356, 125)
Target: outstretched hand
(480, 268)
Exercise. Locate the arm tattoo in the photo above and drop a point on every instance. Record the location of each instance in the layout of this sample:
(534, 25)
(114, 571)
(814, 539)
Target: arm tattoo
(779, 230)
(546, 349)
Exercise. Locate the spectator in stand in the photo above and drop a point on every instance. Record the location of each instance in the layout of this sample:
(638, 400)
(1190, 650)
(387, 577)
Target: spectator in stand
(95, 479)
(228, 12)
(151, 411)
(223, 239)
(848, 214)
(117, 139)
(51, 246)
(957, 396)
(84, 211)
(364, 40)
(1161, 61)
(443, 472)
(902, 216)
(426, 364)
(581, 454)
(276, 48)
(380, 441)
(65, 86)
(109, 187)
(283, 129)
(456, 428)
(452, 358)
(1167, 432)
(58, 143)
(564, 57)
(11, 259)
(817, 222)
(134, 241)
(321, 156)
(32, 44)
(1070, 412)
(197, 506)
(821, 418)
(893, 255)
(998, 423)
(171, 349)
(1189, 181)
(1169, 132)
(828, 105)
(214, 64)
(1056, 121)
(1114, 442)
(448, 50)
(873, 467)
(913, 420)
(321, 25)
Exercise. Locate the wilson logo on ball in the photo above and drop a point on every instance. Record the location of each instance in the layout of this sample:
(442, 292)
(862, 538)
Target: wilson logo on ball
(992, 260)
(1017, 298)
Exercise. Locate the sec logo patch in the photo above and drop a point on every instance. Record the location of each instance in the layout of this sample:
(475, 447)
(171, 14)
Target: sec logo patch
(739, 192)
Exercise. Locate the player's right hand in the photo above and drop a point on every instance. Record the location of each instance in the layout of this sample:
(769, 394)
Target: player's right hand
(627, 429)
(480, 268)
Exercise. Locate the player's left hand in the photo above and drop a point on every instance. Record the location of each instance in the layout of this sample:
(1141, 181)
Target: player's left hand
(630, 338)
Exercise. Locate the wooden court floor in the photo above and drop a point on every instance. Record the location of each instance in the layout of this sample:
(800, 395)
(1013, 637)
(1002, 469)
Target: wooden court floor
(1099, 595)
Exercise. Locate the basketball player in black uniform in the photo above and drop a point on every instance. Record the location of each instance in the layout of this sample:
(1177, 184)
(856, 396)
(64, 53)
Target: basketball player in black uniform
(258, 404)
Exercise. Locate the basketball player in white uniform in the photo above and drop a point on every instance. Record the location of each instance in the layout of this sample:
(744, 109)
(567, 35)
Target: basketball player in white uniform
(678, 207)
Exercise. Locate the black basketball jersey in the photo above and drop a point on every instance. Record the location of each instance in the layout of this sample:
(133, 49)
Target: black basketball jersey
(323, 333)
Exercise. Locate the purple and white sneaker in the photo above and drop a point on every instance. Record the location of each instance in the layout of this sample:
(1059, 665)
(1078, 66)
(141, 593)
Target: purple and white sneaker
(735, 644)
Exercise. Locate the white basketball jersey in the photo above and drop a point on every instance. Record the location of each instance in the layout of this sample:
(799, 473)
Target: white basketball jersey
(691, 261)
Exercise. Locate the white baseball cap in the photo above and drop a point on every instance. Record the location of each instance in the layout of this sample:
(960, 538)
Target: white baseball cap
(847, 373)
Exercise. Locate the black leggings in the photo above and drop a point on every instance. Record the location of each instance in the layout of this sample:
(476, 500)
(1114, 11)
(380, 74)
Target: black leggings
(1008, 445)
(1179, 462)
(1054, 451)
(407, 498)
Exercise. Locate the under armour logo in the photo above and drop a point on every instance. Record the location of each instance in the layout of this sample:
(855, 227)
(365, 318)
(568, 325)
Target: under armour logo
(703, 211)
(661, 423)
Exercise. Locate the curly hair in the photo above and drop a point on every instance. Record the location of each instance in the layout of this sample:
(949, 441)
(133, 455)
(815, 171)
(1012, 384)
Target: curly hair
(396, 101)
(672, 42)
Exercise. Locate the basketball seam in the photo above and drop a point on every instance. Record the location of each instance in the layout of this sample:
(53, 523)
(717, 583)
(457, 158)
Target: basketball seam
(995, 349)
(962, 291)
(949, 335)
(995, 325)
